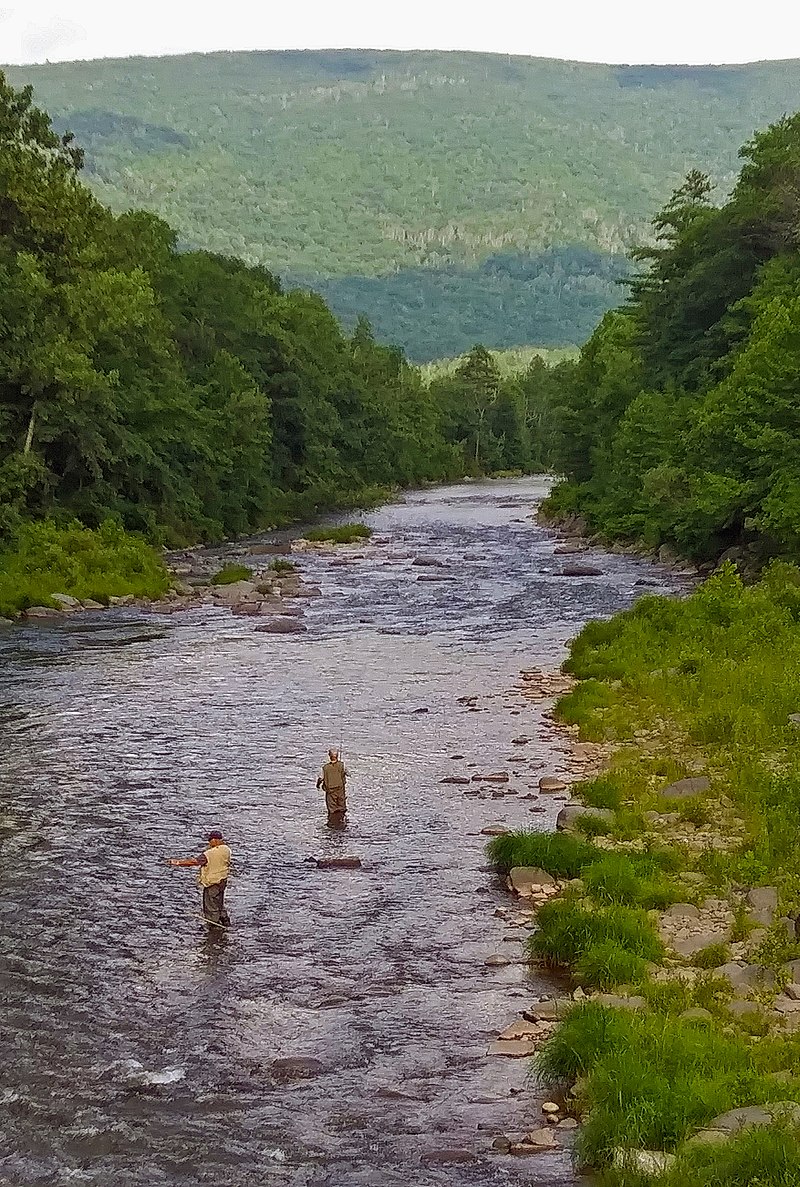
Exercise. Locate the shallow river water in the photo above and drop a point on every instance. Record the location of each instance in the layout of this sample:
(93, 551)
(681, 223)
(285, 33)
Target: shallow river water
(135, 1049)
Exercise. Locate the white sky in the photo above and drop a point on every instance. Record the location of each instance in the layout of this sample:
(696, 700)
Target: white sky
(585, 30)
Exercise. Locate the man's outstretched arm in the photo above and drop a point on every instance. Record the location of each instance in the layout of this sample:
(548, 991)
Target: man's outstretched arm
(202, 860)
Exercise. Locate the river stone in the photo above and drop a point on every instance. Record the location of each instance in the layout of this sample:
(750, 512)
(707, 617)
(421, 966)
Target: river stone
(523, 878)
(792, 991)
(435, 577)
(339, 863)
(428, 562)
(552, 1009)
(682, 911)
(552, 784)
(792, 970)
(282, 626)
(448, 1156)
(690, 945)
(650, 1163)
(41, 612)
(513, 1048)
(745, 976)
(763, 898)
(494, 777)
(581, 571)
(237, 591)
(6, 622)
(494, 830)
(497, 962)
(620, 1001)
(684, 789)
(520, 741)
(743, 1009)
(565, 821)
(461, 780)
(542, 1139)
(794, 719)
(520, 1030)
(696, 1014)
(65, 601)
(247, 609)
(751, 1116)
(304, 591)
(297, 1067)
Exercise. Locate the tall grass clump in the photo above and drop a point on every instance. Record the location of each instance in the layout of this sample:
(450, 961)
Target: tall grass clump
(347, 533)
(561, 855)
(571, 935)
(229, 574)
(633, 880)
(760, 1157)
(45, 558)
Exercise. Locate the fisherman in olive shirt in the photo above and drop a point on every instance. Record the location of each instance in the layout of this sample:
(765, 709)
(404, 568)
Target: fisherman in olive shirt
(333, 780)
(215, 866)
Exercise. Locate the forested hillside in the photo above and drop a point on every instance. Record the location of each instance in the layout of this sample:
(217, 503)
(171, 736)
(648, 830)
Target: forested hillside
(680, 423)
(184, 395)
(429, 189)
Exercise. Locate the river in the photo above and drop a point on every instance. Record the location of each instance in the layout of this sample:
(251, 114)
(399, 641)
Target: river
(138, 1051)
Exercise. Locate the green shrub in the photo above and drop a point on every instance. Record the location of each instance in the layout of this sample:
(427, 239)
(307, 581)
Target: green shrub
(607, 965)
(348, 533)
(279, 566)
(561, 855)
(592, 826)
(694, 811)
(761, 1157)
(588, 1032)
(228, 574)
(602, 792)
(712, 956)
(632, 879)
(567, 930)
(47, 558)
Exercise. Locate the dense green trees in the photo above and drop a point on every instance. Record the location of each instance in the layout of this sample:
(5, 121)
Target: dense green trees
(186, 394)
(182, 392)
(456, 198)
(680, 422)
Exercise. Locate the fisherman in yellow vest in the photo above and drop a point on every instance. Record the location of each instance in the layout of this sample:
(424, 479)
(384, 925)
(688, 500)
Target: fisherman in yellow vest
(333, 780)
(215, 866)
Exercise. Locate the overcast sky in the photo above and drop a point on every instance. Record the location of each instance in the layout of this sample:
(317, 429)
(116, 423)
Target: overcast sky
(586, 30)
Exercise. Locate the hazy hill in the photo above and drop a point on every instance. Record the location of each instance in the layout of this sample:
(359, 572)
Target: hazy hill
(444, 179)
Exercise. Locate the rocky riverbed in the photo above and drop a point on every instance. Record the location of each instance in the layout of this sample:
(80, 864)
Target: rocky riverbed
(346, 1030)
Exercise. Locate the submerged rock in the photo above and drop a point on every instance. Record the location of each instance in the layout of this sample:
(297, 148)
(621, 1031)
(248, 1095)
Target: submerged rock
(581, 571)
(282, 626)
(565, 821)
(523, 878)
(297, 1067)
(339, 863)
(512, 1048)
(551, 784)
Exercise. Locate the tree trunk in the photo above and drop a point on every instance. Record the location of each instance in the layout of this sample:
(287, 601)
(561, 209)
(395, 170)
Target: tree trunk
(29, 435)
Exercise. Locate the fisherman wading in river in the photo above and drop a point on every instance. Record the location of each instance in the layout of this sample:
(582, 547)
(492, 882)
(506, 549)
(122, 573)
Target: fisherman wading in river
(333, 781)
(215, 866)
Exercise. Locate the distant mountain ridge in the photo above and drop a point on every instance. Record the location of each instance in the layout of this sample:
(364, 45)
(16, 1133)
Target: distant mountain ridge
(389, 179)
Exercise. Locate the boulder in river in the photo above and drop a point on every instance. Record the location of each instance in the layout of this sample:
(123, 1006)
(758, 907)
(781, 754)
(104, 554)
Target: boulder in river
(339, 863)
(35, 612)
(282, 626)
(494, 777)
(581, 571)
(66, 602)
(428, 562)
(297, 1067)
(523, 879)
(551, 784)
(235, 592)
(458, 779)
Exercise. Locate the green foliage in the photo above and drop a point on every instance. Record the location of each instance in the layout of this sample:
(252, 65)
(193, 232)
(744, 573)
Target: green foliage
(679, 422)
(497, 196)
(712, 956)
(561, 855)
(183, 392)
(607, 965)
(760, 1157)
(348, 533)
(47, 558)
(279, 566)
(228, 574)
(568, 930)
(631, 879)
(650, 1079)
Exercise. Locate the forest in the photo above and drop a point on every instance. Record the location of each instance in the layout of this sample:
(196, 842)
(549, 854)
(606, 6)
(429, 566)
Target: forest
(451, 197)
(186, 396)
(679, 424)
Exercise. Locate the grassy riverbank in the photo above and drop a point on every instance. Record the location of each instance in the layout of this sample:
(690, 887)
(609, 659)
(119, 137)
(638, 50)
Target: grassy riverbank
(46, 558)
(660, 901)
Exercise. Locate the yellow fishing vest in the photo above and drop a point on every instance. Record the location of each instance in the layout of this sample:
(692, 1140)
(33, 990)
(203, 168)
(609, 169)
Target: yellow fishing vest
(217, 867)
